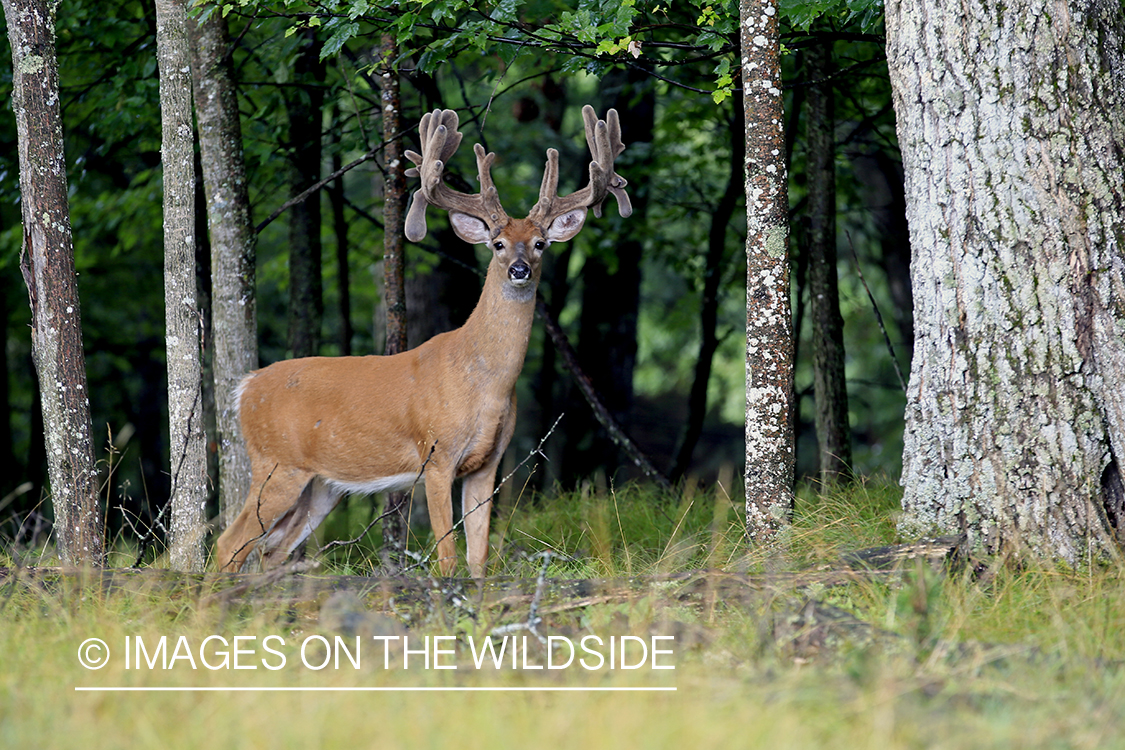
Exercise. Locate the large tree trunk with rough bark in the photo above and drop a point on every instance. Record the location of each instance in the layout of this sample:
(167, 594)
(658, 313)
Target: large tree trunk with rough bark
(833, 433)
(233, 310)
(182, 337)
(769, 337)
(47, 262)
(1011, 121)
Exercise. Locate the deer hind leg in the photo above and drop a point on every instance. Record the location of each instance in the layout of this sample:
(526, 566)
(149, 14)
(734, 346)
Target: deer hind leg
(294, 526)
(439, 503)
(273, 491)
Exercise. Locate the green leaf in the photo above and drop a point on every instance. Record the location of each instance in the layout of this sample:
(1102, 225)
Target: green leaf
(338, 39)
(505, 12)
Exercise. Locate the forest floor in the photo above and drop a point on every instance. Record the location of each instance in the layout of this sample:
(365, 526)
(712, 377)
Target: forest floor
(648, 624)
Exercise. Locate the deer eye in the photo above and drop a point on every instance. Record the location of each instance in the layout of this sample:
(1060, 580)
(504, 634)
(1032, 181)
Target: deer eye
(499, 245)
(540, 244)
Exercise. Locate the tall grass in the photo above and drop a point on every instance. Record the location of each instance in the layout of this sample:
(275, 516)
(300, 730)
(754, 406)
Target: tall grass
(1013, 653)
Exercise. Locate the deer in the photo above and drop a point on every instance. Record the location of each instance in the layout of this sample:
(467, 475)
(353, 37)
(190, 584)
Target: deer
(317, 428)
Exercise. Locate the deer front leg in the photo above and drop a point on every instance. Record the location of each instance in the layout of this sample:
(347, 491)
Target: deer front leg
(476, 497)
(476, 507)
(439, 502)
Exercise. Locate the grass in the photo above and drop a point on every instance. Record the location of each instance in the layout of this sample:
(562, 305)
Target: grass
(1011, 654)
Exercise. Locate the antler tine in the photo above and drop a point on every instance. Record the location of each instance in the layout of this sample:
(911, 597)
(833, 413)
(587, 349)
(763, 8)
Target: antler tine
(616, 184)
(604, 139)
(439, 139)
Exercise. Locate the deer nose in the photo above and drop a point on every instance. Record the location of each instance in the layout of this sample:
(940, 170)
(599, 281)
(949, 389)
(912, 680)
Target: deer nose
(519, 271)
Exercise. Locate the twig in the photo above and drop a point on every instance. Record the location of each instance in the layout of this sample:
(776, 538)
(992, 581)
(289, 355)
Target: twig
(878, 316)
(262, 580)
(536, 451)
(607, 421)
(533, 619)
(380, 517)
(300, 197)
(157, 522)
(258, 512)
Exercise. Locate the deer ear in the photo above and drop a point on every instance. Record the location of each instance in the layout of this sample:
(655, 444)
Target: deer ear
(567, 225)
(469, 228)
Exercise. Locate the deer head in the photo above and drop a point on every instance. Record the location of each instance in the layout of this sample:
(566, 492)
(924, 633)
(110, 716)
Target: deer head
(517, 244)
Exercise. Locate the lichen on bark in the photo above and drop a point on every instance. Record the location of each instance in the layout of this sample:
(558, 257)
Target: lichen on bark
(1013, 144)
(47, 263)
(769, 349)
(182, 338)
(234, 318)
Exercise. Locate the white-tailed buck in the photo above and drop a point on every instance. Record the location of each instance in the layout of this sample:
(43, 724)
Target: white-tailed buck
(319, 427)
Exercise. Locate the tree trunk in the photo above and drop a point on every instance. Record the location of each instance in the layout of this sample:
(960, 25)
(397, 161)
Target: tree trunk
(607, 335)
(206, 334)
(13, 473)
(709, 304)
(233, 301)
(47, 262)
(769, 338)
(1010, 121)
(833, 433)
(895, 245)
(397, 524)
(185, 405)
(343, 269)
(306, 285)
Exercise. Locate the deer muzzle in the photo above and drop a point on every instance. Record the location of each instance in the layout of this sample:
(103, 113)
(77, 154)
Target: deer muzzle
(519, 273)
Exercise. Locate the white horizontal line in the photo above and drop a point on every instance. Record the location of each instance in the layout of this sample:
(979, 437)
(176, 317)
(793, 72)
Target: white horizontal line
(372, 689)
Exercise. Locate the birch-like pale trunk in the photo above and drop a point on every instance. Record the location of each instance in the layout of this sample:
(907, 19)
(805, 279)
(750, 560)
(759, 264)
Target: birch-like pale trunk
(396, 525)
(234, 325)
(769, 337)
(47, 262)
(1011, 121)
(182, 338)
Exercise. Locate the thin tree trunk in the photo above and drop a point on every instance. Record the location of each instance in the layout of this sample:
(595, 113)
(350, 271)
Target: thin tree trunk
(769, 339)
(1010, 121)
(8, 463)
(47, 262)
(895, 246)
(306, 285)
(343, 270)
(185, 403)
(833, 433)
(233, 299)
(206, 335)
(397, 525)
(709, 304)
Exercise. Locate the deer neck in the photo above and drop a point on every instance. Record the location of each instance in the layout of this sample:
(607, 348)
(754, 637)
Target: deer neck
(499, 327)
